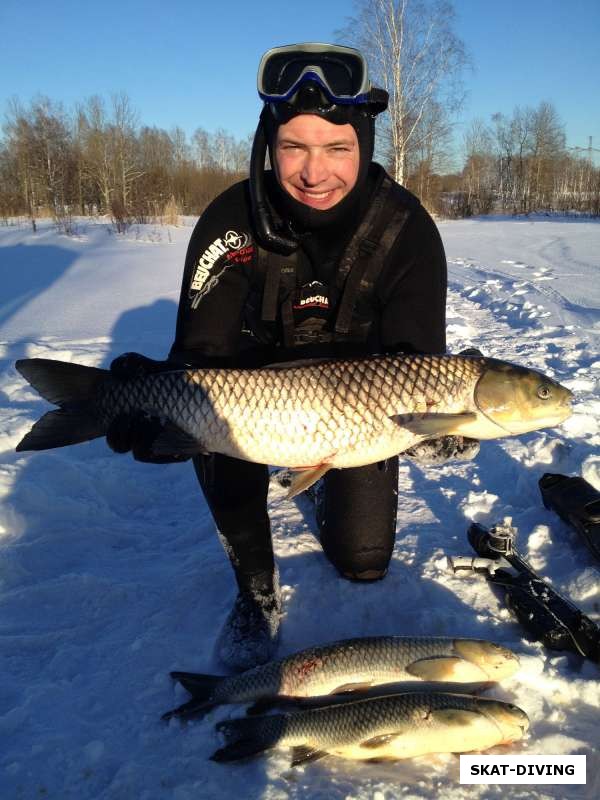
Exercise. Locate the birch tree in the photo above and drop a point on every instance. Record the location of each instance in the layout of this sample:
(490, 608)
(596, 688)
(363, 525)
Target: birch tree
(414, 54)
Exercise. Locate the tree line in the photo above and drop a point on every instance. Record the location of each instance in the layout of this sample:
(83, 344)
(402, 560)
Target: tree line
(517, 164)
(99, 160)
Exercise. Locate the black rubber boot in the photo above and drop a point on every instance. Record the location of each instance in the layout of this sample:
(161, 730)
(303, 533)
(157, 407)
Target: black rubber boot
(250, 633)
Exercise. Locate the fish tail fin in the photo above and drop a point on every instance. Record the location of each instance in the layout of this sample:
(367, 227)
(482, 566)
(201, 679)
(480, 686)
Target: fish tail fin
(197, 684)
(201, 687)
(70, 386)
(246, 737)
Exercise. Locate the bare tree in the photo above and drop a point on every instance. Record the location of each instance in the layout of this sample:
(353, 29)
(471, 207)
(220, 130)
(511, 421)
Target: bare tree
(20, 144)
(123, 130)
(479, 173)
(201, 148)
(415, 55)
(98, 163)
(547, 149)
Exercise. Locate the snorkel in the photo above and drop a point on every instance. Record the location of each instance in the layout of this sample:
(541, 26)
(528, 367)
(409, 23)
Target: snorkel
(275, 240)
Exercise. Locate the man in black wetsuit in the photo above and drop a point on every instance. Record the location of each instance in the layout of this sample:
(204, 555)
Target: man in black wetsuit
(323, 256)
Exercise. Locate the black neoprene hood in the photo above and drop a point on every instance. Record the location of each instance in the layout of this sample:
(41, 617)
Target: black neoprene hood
(321, 84)
(298, 216)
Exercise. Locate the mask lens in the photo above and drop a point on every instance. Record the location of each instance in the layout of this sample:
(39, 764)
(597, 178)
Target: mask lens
(343, 74)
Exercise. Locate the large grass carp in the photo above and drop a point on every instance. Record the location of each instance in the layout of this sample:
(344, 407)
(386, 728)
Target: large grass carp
(307, 416)
(351, 665)
(378, 729)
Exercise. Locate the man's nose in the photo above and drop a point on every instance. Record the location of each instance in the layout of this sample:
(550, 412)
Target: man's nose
(314, 169)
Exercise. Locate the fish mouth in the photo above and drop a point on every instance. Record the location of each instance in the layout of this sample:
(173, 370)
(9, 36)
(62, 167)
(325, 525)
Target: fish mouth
(510, 720)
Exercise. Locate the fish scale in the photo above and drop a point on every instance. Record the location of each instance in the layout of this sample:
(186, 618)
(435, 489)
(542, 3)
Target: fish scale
(330, 411)
(310, 416)
(394, 726)
(363, 719)
(366, 660)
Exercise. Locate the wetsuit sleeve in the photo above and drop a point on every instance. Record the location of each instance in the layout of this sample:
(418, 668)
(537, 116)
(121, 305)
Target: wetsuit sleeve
(215, 285)
(413, 293)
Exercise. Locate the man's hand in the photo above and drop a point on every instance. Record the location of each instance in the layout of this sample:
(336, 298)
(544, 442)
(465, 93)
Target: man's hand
(137, 431)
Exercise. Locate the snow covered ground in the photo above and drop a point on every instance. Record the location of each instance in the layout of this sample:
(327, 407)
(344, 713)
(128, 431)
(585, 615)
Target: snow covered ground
(111, 574)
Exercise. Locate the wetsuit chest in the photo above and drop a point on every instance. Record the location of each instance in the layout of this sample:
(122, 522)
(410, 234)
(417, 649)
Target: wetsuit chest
(322, 296)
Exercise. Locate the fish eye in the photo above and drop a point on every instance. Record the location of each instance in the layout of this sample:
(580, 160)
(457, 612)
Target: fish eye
(544, 391)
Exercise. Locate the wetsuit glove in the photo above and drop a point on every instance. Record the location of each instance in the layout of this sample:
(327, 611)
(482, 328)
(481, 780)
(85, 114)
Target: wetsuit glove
(134, 365)
(445, 448)
(138, 430)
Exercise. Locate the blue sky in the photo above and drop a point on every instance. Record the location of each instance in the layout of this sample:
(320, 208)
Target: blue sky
(194, 63)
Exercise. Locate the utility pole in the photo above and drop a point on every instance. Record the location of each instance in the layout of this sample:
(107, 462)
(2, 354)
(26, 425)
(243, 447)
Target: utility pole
(589, 150)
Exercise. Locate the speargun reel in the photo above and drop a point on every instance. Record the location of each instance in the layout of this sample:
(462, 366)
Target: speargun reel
(541, 610)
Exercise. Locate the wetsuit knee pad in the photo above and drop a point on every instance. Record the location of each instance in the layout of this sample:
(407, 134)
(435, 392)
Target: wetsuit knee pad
(358, 519)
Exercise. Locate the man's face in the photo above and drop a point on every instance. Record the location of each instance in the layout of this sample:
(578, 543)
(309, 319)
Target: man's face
(316, 161)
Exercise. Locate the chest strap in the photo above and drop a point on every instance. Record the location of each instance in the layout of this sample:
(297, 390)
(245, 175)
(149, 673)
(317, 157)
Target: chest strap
(357, 273)
(280, 282)
(365, 255)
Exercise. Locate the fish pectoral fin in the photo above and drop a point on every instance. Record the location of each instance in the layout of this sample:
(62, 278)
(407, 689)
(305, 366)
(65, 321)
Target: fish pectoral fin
(433, 425)
(304, 753)
(172, 440)
(350, 688)
(382, 760)
(381, 740)
(302, 479)
(444, 668)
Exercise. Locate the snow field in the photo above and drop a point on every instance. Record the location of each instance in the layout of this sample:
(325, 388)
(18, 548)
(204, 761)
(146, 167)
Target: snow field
(111, 573)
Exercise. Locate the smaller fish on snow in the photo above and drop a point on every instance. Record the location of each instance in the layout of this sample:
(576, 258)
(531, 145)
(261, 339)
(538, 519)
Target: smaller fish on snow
(378, 729)
(349, 665)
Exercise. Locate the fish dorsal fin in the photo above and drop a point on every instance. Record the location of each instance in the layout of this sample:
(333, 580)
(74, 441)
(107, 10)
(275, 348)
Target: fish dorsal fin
(434, 424)
(351, 688)
(269, 703)
(381, 740)
(304, 753)
(303, 479)
(198, 684)
(445, 668)
(302, 362)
